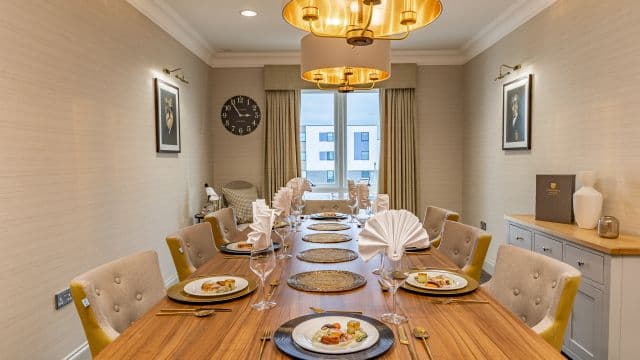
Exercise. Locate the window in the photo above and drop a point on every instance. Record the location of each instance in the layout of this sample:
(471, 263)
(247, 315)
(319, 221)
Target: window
(303, 156)
(341, 138)
(327, 136)
(327, 155)
(365, 175)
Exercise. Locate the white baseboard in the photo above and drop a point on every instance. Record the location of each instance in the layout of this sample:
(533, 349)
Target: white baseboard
(80, 353)
(489, 266)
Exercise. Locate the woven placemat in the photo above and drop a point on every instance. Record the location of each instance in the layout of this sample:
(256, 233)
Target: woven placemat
(326, 238)
(328, 255)
(326, 281)
(328, 227)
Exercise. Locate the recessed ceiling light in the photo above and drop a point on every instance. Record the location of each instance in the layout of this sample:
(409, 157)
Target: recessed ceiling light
(248, 13)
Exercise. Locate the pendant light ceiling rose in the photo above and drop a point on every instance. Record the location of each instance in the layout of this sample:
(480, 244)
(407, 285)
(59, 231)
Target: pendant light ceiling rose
(361, 22)
(332, 63)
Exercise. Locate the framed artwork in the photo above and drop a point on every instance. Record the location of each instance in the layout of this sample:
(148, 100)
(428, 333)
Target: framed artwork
(167, 117)
(516, 114)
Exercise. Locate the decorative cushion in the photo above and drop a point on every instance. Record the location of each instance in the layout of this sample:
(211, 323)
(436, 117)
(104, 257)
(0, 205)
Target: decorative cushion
(240, 200)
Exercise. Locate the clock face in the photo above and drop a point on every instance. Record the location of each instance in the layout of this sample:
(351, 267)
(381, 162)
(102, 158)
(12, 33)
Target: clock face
(240, 115)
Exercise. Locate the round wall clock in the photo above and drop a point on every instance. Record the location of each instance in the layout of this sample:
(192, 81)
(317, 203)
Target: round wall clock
(240, 115)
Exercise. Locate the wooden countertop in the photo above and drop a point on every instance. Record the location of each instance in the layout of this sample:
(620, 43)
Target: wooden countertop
(470, 331)
(623, 245)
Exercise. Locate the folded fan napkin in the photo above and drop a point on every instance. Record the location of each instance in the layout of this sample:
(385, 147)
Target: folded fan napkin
(262, 224)
(391, 232)
(299, 185)
(381, 203)
(352, 189)
(282, 202)
(363, 195)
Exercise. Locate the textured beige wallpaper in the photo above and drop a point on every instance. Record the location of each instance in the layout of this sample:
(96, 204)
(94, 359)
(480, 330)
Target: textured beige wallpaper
(584, 59)
(439, 137)
(80, 180)
(237, 157)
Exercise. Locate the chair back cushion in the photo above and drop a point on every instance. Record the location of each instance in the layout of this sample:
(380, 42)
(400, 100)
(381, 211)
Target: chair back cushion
(240, 200)
(198, 244)
(538, 289)
(466, 246)
(116, 294)
(224, 226)
(434, 220)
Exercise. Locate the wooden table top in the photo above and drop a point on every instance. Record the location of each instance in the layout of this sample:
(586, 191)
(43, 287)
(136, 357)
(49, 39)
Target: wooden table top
(623, 245)
(468, 331)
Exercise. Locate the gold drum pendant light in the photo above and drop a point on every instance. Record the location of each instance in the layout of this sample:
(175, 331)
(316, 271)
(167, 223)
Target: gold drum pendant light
(332, 64)
(361, 21)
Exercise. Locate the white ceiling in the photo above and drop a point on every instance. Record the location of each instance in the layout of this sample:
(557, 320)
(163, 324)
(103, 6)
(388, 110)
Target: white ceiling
(215, 30)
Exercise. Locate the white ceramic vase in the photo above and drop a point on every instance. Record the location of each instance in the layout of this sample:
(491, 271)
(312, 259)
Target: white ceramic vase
(587, 202)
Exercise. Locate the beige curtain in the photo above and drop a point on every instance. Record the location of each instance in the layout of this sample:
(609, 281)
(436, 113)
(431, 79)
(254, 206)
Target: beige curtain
(282, 139)
(398, 150)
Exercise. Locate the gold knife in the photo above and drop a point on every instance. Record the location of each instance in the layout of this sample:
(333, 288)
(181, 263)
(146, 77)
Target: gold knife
(404, 340)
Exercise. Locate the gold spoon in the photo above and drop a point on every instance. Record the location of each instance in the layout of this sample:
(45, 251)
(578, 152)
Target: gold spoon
(421, 333)
(199, 313)
(273, 284)
(318, 310)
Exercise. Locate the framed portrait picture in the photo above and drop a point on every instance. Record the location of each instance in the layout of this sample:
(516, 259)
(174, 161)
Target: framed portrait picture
(516, 114)
(167, 117)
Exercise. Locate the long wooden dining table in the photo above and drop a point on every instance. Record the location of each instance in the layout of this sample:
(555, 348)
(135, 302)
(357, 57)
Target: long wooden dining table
(458, 331)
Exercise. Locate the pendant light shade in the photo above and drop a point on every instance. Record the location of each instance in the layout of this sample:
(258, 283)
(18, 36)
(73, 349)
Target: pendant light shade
(361, 21)
(333, 63)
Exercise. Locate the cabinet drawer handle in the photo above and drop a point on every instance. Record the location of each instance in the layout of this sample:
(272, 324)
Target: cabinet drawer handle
(519, 238)
(580, 263)
(546, 249)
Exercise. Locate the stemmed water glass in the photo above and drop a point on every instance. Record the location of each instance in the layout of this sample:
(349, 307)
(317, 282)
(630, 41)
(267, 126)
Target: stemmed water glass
(283, 233)
(377, 270)
(262, 262)
(298, 206)
(352, 202)
(392, 276)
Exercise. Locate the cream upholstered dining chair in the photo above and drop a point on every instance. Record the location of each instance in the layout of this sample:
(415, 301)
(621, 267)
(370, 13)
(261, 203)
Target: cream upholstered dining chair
(433, 222)
(191, 247)
(538, 289)
(466, 246)
(225, 228)
(112, 296)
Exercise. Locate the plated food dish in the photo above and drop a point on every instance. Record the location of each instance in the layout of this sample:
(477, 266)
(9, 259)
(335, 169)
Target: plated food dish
(329, 215)
(301, 337)
(216, 286)
(241, 248)
(436, 280)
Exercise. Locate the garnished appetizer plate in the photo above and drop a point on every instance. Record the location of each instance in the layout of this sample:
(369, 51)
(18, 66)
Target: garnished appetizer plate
(216, 286)
(436, 280)
(241, 247)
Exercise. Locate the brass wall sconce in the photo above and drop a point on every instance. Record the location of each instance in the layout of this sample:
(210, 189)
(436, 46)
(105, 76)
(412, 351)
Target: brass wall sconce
(510, 69)
(177, 76)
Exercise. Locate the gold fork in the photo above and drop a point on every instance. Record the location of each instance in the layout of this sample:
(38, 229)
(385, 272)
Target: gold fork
(266, 336)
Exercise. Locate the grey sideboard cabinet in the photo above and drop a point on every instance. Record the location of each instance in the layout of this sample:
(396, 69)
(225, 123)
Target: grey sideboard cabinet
(605, 321)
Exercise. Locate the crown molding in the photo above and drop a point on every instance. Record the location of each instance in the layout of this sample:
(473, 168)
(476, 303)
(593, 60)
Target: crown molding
(166, 18)
(509, 20)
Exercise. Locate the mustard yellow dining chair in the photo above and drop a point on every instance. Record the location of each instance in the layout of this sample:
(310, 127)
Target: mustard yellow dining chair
(433, 222)
(538, 289)
(112, 296)
(225, 227)
(466, 246)
(190, 247)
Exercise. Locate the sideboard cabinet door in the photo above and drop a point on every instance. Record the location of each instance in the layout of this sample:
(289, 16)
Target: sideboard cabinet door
(585, 334)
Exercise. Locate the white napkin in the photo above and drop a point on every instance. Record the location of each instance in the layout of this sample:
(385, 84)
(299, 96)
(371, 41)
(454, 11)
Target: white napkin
(380, 204)
(299, 185)
(352, 189)
(263, 219)
(391, 231)
(256, 206)
(282, 202)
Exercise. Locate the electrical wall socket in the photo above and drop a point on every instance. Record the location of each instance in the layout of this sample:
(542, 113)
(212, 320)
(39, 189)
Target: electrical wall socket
(62, 298)
(483, 225)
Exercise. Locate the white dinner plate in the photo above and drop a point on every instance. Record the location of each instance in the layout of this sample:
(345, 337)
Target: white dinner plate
(234, 247)
(303, 335)
(415, 248)
(457, 281)
(195, 287)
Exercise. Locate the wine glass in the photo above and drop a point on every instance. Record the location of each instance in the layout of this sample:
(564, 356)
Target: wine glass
(379, 268)
(262, 262)
(362, 218)
(392, 276)
(352, 202)
(298, 206)
(283, 233)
